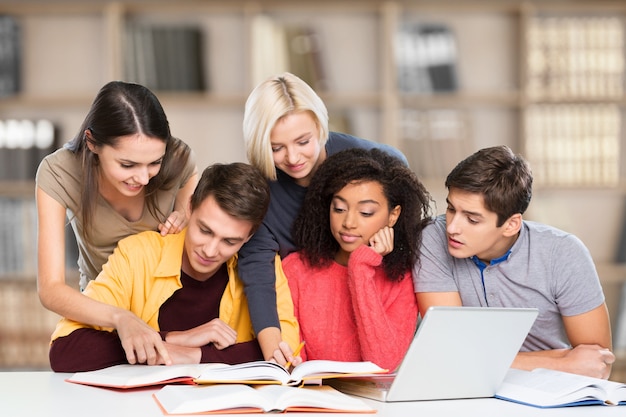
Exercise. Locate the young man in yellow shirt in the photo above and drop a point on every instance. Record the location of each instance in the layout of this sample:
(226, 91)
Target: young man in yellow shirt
(184, 286)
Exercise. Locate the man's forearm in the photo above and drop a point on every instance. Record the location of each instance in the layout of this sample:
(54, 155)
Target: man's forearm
(590, 360)
(85, 350)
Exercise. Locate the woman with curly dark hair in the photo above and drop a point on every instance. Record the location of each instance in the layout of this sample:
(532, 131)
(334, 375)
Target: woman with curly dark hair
(358, 237)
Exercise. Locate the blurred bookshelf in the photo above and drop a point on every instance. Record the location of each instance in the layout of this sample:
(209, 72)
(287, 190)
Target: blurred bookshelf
(437, 79)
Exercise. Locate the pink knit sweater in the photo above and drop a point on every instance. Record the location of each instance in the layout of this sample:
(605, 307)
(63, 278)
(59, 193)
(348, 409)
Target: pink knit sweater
(352, 313)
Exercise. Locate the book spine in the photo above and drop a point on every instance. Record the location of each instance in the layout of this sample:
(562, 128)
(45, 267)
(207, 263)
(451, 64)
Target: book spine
(576, 57)
(165, 57)
(426, 55)
(9, 56)
(574, 144)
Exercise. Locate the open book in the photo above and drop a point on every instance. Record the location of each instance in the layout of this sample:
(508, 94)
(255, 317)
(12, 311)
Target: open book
(238, 398)
(546, 388)
(258, 372)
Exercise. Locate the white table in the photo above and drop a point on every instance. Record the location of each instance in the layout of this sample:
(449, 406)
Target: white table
(46, 394)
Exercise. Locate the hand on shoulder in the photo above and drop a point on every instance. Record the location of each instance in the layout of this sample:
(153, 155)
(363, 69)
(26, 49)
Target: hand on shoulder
(174, 223)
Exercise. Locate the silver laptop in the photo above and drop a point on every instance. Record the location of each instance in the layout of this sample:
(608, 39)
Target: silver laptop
(457, 352)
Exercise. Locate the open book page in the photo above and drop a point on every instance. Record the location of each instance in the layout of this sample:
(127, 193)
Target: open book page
(322, 369)
(371, 386)
(263, 372)
(258, 372)
(239, 398)
(549, 388)
(133, 376)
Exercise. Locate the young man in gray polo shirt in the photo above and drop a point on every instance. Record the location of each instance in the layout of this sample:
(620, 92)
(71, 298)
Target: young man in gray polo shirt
(482, 253)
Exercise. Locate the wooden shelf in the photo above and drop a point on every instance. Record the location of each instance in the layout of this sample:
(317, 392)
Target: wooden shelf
(17, 189)
(462, 99)
(612, 273)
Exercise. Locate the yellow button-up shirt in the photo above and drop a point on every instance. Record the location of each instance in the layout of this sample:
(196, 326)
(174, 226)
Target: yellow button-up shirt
(144, 271)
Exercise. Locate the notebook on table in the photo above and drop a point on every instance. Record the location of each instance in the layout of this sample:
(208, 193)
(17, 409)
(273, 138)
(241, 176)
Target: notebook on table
(457, 352)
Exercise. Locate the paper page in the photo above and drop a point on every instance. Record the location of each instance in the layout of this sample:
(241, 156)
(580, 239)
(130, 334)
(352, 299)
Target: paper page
(238, 398)
(324, 368)
(127, 376)
(545, 387)
(258, 371)
(187, 399)
(322, 397)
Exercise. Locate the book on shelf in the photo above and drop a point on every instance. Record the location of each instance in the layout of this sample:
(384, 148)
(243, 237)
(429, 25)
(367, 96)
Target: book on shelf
(10, 53)
(304, 56)
(139, 59)
(574, 144)
(269, 57)
(165, 57)
(426, 56)
(26, 324)
(257, 372)
(278, 47)
(18, 236)
(164, 51)
(23, 144)
(547, 388)
(11, 255)
(620, 253)
(619, 340)
(575, 57)
(240, 398)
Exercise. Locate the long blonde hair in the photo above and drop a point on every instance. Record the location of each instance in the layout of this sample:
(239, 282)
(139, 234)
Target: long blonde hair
(269, 102)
